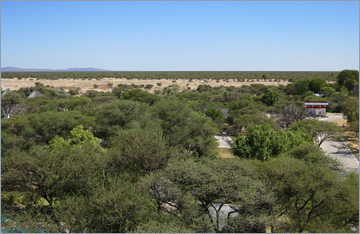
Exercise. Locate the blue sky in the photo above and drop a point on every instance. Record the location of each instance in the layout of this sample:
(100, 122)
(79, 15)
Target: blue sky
(174, 36)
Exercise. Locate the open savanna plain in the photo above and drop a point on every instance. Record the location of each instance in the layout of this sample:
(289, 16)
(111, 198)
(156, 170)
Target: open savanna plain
(105, 81)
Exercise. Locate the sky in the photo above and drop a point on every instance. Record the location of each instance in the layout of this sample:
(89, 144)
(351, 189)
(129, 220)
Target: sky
(181, 36)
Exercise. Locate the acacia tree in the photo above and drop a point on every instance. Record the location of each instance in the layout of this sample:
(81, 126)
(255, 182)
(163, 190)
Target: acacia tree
(291, 114)
(319, 130)
(139, 151)
(8, 101)
(111, 205)
(191, 190)
(309, 194)
(184, 128)
(52, 174)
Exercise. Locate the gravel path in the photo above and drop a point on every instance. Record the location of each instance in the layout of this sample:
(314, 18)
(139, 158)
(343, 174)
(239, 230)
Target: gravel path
(341, 151)
(224, 142)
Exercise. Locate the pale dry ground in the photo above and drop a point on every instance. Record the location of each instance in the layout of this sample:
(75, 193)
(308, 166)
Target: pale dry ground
(339, 149)
(350, 137)
(225, 153)
(84, 85)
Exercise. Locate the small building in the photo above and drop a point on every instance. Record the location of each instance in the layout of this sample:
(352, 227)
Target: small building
(35, 94)
(316, 108)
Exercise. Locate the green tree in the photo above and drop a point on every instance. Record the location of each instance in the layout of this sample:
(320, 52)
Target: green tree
(319, 130)
(217, 116)
(139, 151)
(49, 124)
(171, 90)
(52, 174)
(141, 96)
(308, 194)
(301, 86)
(350, 108)
(111, 206)
(328, 91)
(78, 137)
(117, 115)
(263, 142)
(208, 186)
(243, 121)
(270, 97)
(348, 79)
(8, 101)
(317, 84)
(184, 128)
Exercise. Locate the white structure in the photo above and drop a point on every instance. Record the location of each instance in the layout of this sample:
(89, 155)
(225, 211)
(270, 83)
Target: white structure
(316, 108)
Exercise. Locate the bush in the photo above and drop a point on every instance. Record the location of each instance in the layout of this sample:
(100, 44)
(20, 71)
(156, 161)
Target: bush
(149, 86)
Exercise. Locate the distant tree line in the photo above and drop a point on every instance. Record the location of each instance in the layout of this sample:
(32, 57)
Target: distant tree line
(217, 75)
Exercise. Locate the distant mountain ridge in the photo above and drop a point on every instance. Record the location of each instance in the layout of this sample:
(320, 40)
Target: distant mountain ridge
(16, 69)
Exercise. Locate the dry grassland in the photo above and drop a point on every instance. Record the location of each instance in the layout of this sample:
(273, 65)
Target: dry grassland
(103, 84)
(226, 153)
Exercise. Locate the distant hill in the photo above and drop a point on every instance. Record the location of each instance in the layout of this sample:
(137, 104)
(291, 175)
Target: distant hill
(16, 69)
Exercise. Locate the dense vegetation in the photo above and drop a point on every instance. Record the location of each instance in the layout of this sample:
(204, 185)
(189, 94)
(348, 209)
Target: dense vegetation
(132, 161)
(237, 75)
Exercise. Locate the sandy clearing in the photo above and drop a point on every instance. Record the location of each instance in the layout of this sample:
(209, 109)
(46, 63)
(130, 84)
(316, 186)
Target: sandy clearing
(350, 138)
(88, 84)
(225, 153)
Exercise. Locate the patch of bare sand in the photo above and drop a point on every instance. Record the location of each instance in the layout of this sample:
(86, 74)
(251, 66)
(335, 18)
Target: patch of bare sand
(350, 137)
(106, 84)
(225, 153)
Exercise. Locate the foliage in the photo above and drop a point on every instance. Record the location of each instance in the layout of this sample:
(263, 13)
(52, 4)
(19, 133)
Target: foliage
(52, 174)
(312, 98)
(113, 206)
(149, 86)
(301, 86)
(185, 128)
(270, 97)
(309, 194)
(8, 101)
(211, 185)
(310, 153)
(48, 124)
(78, 137)
(141, 96)
(290, 114)
(139, 151)
(241, 122)
(217, 116)
(117, 115)
(317, 84)
(263, 142)
(156, 168)
(319, 130)
(217, 75)
(171, 90)
(348, 79)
